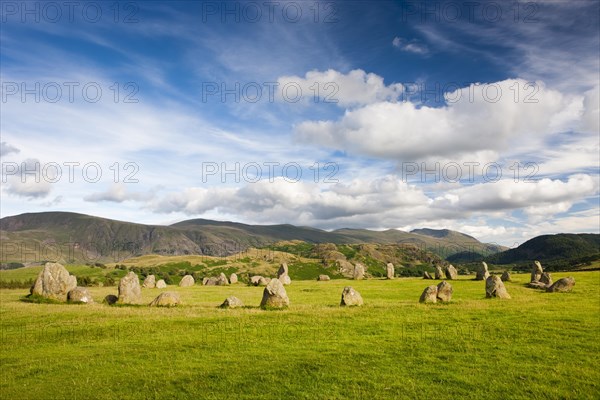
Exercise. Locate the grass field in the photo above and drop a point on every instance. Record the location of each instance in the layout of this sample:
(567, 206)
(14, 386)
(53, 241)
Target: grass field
(535, 346)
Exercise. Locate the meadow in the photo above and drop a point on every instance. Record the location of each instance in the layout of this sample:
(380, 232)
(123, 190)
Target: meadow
(536, 345)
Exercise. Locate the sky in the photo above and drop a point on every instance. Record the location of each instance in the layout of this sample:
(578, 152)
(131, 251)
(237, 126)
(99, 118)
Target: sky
(481, 117)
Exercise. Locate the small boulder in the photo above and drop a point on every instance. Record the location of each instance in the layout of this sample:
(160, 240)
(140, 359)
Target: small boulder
(546, 278)
(323, 278)
(494, 287)
(429, 295)
(130, 291)
(562, 285)
(359, 271)
(149, 282)
(110, 299)
(233, 278)
(506, 277)
(79, 295)
(222, 280)
(537, 285)
(482, 272)
(451, 272)
(54, 282)
(351, 297)
(166, 299)
(536, 271)
(444, 291)
(255, 280)
(232, 302)
(210, 281)
(439, 274)
(274, 295)
(161, 284)
(389, 271)
(187, 281)
(426, 275)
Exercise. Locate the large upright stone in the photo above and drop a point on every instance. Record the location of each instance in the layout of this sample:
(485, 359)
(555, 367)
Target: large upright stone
(444, 291)
(187, 281)
(359, 271)
(149, 282)
(233, 278)
(494, 287)
(439, 274)
(389, 271)
(506, 277)
(451, 272)
(79, 295)
(562, 285)
(429, 295)
(351, 297)
(54, 282)
(166, 299)
(536, 271)
(426, 275)
(482, 272)
(130, 291)
(274, 295)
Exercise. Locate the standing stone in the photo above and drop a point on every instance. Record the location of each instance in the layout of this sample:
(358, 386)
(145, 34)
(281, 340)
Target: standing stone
(233, 278)
(166, 299)
(429, 295)
(389, 271)
(536, 271)
(187, 281)
(323, 278)
(274, 295)
(130, 291)
(451, 272)
(359, 272)
(546, 278)
(283, 270)
(444, 291)
(562, 285)
(506, 277)
(149, 282)
(494, 287)
(232, 302)
(482, 273)
(439, 274)
(212, 281)
(222, 280)
(426, 275)
(286, 280)
(54, 282)
(351, 297)
(79, 295)
(161, 284)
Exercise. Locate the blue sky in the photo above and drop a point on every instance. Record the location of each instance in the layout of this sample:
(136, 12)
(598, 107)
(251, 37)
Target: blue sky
(475, 116)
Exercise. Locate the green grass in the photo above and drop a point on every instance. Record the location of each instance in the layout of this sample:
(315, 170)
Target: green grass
(535, 346)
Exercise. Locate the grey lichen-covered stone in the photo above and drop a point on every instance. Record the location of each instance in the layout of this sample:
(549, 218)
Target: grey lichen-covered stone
(130, 291)
(282, 271)
(187, 281)
(255, 280)
(494, 287)
(426, 275)
(54, 282)
(562, 285)
(389, 271)
(161, 284)
(166, 299)
(351, 297)
(222, 280)
(274, 295)
(506, 277)
(444, 291)
(359, 271)
(232, 302)
(546, 278)
(429, 295)
(439, 273)
(482, 272)
(451, 272)
(323, 278)
(536, 271)
(79, 295)
(233, 278)
(149, 282)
